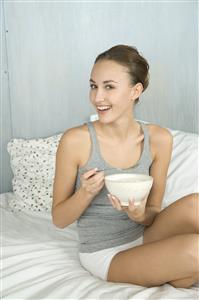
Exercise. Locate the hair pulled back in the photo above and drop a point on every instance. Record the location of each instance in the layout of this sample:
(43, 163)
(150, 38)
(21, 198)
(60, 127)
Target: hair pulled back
(128, 56)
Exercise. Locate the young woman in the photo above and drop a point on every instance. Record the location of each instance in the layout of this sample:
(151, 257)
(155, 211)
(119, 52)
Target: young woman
(141, 245)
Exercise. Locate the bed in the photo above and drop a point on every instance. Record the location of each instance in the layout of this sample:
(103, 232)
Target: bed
(39, 260)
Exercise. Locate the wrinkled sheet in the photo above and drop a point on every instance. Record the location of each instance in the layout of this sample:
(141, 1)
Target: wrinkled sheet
(40, 261)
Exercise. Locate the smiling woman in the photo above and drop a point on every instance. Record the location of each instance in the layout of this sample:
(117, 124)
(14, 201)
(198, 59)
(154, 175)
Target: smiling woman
(116, 242)
(126, 78)
(135, 64)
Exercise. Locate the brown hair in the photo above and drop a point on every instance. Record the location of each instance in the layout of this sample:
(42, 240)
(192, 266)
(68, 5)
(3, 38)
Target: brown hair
(138, 67)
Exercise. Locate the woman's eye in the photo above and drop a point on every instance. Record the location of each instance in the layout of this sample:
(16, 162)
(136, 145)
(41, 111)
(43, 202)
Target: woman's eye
(109, 87)
(92, 86)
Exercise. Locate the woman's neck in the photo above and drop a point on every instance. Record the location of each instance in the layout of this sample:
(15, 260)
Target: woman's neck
(119, 131)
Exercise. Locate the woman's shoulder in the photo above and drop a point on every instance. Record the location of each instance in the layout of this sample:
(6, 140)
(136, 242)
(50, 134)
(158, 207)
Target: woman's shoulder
(160, 138)
(158, 133)
(75, 135)
(74, 143)
(75, 131)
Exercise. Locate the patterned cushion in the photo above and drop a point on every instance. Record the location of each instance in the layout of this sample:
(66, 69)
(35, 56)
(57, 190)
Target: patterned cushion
(33, 165)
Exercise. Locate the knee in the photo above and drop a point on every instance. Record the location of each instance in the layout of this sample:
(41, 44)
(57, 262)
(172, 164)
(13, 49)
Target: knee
(183, 283)
(193, 204)
(188, 204)
(191, 201)
(191, 208)
(192, 255)
(194, 199)
(186, 282)
(189, 250)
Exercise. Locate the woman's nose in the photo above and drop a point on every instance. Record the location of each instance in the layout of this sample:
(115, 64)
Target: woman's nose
(99, 96)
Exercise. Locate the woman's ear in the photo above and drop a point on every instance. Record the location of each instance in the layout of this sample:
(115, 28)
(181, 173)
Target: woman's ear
(137, 90)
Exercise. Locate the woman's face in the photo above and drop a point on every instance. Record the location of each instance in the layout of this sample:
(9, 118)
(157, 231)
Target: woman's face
(111, 91)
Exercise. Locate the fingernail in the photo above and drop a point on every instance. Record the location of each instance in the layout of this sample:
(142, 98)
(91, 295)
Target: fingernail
(114, 197)
(96, 169)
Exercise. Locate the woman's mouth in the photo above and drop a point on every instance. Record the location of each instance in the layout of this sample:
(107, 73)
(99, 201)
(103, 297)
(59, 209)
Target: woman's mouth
(103, 108)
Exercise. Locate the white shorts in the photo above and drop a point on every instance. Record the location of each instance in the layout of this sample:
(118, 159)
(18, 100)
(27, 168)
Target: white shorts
(98, 263)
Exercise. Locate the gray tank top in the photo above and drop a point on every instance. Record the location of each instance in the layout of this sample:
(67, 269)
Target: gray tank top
(101, 226)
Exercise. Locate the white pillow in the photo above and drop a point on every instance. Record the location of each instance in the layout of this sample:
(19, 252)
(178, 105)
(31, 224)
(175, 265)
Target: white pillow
(182, 177)
(33, 165)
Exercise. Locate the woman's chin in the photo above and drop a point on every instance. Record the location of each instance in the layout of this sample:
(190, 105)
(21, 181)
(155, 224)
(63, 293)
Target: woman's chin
(104, 120)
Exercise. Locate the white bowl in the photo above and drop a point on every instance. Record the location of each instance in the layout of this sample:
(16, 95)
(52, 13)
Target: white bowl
(127, 186)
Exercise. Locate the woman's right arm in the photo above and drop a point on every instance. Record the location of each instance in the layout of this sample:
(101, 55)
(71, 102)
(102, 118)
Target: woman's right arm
(68, 205)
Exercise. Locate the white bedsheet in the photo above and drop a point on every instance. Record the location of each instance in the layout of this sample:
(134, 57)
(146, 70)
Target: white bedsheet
(41, 261)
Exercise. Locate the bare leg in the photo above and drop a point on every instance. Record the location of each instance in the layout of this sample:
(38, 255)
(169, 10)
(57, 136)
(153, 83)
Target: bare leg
(178, 218)
(183, 283)
(173, 260)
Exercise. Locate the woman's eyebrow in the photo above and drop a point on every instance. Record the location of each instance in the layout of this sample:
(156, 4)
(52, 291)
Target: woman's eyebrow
(106, 81)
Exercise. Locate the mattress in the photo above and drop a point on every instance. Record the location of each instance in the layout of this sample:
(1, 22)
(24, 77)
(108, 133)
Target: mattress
(40, 261)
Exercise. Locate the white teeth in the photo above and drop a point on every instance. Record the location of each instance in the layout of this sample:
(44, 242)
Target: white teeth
(103, 107)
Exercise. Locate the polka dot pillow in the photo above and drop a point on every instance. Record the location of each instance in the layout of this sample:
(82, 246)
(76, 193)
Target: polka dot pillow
(33, 165)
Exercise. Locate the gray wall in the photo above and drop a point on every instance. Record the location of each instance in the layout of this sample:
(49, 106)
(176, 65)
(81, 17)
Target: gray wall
(49, 49)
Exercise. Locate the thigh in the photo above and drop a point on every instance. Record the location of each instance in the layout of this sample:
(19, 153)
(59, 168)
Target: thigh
(97, 263)
(181, 217)
(156, 263)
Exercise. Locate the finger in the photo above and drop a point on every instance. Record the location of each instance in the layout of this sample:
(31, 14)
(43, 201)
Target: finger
(93, 180)
(101, 185)
(112, 203)
(143, 201)
(94, 184)
(97, 177)
(89, 173)
(140, 138)
(111, 200)
(124, 208)
(146, 198)
(131, 206)
(116, 202)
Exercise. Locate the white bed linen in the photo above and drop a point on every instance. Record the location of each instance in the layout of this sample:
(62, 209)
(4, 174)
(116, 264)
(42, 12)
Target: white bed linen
(41, 261)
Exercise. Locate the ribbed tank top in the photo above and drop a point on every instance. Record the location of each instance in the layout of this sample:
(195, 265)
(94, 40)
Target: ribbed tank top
(101, 226)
